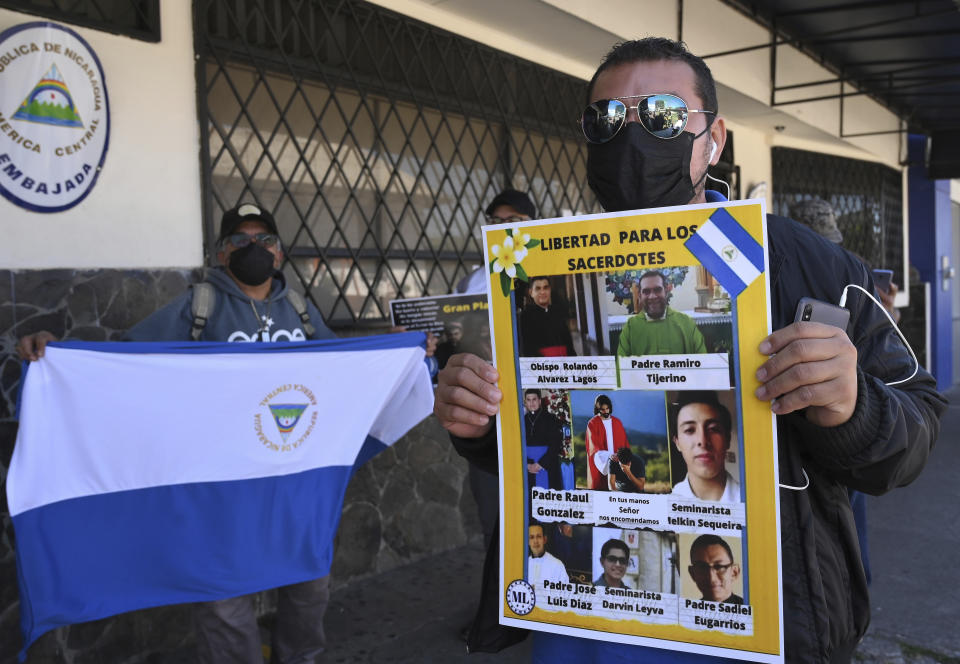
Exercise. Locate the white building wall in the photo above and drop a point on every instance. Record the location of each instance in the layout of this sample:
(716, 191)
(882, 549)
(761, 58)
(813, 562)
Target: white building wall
(572, 36)
(144, 211)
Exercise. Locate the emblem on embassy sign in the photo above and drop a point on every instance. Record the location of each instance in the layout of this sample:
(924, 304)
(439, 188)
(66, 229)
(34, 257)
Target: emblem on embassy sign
(54, 117)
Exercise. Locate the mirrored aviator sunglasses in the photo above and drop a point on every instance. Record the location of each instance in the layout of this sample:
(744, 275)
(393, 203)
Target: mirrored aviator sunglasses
(664, 116)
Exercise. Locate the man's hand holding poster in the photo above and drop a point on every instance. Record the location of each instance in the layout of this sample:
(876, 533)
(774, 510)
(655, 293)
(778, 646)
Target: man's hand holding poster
(639, 495)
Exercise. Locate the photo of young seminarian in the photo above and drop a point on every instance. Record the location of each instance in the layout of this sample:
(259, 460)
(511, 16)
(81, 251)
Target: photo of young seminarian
(705, 446)
(635, 559)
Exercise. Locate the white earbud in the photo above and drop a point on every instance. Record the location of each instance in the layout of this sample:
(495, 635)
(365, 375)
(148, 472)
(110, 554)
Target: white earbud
(713, 149)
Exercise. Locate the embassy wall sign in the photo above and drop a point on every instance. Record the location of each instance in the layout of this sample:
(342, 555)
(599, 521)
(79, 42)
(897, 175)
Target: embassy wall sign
(54, 117)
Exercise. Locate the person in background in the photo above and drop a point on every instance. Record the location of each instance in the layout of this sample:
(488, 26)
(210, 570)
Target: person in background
(817, 215)
(507, 207)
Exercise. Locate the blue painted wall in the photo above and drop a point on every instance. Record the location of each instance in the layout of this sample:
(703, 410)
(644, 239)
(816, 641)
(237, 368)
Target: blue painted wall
(930, 238)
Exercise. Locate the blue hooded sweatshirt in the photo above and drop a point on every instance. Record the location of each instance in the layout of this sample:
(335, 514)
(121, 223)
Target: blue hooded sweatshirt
(235, 316)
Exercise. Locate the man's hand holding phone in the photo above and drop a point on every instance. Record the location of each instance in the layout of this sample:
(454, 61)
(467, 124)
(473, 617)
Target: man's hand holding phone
(813, 365)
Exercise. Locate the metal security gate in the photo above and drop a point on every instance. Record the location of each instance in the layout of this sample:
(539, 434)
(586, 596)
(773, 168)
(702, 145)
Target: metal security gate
(376, 141)
(866, 197)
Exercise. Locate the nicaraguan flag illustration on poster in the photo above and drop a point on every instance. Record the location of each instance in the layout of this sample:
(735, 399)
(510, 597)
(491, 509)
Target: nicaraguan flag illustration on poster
(728, 252)
(164, 473)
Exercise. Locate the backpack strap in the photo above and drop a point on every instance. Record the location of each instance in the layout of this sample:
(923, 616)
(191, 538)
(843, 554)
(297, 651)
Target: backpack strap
(299, 305)
(203, 301)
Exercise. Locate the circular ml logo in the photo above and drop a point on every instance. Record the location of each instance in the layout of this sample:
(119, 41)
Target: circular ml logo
(54, 117)
(285, 408)
(521, 597)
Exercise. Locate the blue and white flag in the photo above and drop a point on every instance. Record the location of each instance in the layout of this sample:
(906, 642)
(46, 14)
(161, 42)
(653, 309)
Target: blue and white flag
(728, 252)
(151, 474)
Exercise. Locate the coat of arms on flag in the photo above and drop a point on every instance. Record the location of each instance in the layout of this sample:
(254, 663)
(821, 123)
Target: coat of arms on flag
(286, 416)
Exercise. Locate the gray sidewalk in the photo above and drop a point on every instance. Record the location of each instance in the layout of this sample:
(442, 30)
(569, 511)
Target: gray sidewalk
(914, 547)
(414, 614)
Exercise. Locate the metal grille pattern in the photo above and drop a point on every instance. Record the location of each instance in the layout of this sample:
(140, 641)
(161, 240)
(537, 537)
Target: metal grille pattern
(866, 198)
(376, 141)
(139, 19)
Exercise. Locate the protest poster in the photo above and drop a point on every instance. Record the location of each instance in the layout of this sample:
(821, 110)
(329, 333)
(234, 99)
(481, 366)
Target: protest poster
(638, 471)
(460, 322)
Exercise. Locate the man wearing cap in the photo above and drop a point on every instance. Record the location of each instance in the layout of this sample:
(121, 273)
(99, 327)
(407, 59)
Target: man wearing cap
(251, 303)
(817, 215)
(507, 207)
(852, 411)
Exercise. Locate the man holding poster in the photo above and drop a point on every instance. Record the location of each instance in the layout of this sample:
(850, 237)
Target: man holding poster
(250, 302)
(852, 411)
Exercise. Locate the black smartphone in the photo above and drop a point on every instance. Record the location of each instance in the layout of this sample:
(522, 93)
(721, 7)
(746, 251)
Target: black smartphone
(816, 311)
(882, 279)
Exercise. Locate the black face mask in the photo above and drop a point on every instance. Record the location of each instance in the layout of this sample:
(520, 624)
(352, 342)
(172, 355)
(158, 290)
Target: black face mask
(252, 265)
(636, 170)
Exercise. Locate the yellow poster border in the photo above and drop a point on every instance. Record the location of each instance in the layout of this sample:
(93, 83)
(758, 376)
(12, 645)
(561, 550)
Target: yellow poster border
(549, 248)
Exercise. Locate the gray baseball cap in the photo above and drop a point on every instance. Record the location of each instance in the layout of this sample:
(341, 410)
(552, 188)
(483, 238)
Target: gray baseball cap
(816, 214)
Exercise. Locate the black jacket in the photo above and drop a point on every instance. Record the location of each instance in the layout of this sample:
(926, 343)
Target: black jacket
(884, 445)
(540, 328)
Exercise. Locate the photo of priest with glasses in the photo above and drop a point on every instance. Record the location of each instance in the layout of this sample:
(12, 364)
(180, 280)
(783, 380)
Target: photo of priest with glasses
(714, 571)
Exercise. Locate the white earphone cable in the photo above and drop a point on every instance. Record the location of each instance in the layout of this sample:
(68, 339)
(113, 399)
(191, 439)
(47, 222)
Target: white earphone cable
(916, 363)
(721, 182)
